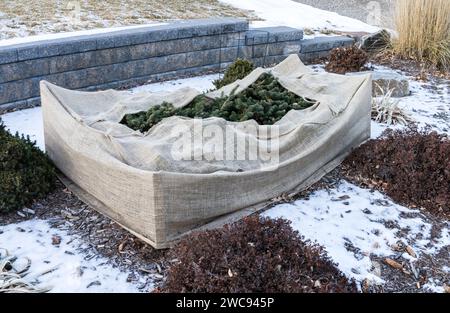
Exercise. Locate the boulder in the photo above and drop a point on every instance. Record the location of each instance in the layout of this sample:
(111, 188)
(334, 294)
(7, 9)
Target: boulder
(376, 41)
(384, 81)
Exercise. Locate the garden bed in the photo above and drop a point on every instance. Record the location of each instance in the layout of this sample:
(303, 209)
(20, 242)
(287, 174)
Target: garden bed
(123, 167)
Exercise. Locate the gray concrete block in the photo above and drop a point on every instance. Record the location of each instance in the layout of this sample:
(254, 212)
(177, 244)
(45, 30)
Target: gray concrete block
(8, 55)
(256, 36)
(21, 70)
(48, 48)
(282, 48)
(325, 43)
(20, 105)
(72, 62)
(269, 60)
(19, 90)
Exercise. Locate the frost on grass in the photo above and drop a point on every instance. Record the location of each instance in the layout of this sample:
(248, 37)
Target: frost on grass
(21, 18)
(56, 261)
(352, 224)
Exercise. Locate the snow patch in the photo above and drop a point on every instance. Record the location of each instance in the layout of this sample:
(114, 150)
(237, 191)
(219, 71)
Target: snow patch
(298, 15)
(26, 122)
(350, 223)
(69, 269)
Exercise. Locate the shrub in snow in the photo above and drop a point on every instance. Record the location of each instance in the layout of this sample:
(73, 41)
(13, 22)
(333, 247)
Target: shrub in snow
(347, 59)
(253, 255)
(411, 166)
(238, 70)
(265, 101)
(25, 171)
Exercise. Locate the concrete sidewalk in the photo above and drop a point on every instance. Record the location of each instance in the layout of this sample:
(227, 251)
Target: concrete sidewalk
(378, 13)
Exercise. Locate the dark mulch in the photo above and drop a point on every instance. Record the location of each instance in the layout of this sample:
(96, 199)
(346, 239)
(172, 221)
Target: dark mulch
(411, 166)
(254, 255)
(418, 70)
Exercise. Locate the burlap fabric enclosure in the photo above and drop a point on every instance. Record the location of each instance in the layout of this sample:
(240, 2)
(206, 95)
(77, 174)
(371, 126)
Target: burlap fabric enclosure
(137, 180)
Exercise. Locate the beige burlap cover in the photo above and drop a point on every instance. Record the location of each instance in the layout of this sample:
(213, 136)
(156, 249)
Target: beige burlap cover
(135, 179)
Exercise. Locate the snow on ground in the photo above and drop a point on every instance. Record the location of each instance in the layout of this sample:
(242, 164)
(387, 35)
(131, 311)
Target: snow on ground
(298, 15)
(26, 122)
(427, 106)
(201, 83)
(65, 268)
(350, 223)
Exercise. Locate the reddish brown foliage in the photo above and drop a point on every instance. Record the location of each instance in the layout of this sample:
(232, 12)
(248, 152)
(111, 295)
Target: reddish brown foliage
(254, 255)
(411, 166)
(347, 59)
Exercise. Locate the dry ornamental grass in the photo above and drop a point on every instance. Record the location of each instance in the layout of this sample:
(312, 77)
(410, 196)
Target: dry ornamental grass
(424, 31)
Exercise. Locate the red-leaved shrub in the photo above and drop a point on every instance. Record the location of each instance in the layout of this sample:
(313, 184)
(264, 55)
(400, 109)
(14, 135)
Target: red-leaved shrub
(346, 59)
(411, 166)
(254, 255)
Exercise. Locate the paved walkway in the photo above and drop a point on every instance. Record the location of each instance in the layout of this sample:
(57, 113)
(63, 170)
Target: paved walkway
(378, 13)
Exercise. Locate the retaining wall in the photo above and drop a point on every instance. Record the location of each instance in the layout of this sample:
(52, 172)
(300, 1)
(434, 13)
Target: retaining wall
(135, 56)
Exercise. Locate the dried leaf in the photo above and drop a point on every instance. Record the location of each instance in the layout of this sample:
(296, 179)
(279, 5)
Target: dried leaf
(121, 246)
(393, 263)
(56, 240)
(411, 252)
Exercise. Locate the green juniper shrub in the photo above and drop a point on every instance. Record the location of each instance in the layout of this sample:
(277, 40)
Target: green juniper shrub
(265, 101)
(238, 70)
(253, 255)
(26, 173)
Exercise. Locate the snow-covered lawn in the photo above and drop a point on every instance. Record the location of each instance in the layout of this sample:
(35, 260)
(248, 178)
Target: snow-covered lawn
(22, 18)
(298, 15)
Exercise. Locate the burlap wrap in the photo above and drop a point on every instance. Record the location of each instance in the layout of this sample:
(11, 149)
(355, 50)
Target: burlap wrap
(134, 179)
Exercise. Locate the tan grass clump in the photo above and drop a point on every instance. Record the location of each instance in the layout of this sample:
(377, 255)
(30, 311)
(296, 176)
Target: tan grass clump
(423, 28)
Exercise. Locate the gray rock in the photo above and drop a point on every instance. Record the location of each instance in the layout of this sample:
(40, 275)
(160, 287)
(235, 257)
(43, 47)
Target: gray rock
(390, 81)
(325, 43)
(376, 41)
(383, 82)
